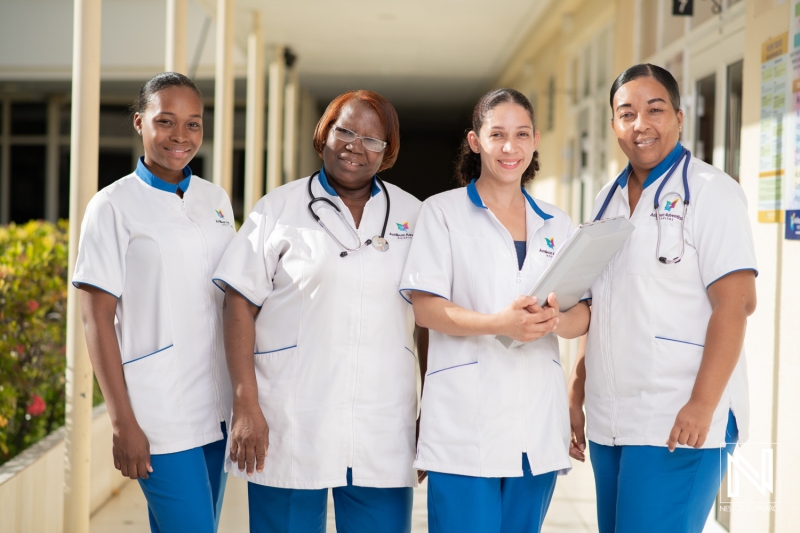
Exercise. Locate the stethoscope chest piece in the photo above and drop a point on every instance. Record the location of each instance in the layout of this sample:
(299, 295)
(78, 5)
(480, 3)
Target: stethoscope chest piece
(380, 244)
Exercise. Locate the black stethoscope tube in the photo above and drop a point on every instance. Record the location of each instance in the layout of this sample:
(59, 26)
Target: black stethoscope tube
(382, 245)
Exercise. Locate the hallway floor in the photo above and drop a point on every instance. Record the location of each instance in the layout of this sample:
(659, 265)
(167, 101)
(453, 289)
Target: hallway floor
(571, 511)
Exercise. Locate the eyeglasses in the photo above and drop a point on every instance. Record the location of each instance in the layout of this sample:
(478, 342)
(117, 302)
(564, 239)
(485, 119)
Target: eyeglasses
(371, 144)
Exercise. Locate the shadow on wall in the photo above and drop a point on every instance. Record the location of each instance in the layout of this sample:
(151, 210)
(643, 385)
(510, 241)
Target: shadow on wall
(429, 141)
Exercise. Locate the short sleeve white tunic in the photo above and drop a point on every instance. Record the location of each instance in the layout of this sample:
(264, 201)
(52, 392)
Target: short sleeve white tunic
(334, 349)
(484, 405)
(649, 319)
(156, 252)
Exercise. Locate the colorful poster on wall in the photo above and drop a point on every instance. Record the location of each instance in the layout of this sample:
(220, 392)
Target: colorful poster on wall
(774, 88)
(792, 184)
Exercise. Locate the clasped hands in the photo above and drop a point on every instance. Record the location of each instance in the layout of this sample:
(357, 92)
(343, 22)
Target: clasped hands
(524, 320)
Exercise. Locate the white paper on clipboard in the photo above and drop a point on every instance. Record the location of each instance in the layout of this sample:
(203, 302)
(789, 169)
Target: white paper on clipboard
(579, 263)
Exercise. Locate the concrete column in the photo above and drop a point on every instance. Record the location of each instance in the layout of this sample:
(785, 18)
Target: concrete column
(291, 106)
(176, 37)
(223, 97)
(84, 138)
(5, 163)
(254, 136)
(52, 158)
(275, 120)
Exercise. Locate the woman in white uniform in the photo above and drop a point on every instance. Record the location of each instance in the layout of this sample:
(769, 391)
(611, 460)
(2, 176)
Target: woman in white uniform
(149, 244)
(320, 344)
(494, 421)
(664, 373)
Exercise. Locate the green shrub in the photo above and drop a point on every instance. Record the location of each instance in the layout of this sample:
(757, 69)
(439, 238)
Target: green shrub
(33, 295)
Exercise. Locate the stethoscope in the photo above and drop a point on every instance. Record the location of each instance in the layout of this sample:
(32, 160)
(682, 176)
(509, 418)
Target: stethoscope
(657, 202)
(378, 242)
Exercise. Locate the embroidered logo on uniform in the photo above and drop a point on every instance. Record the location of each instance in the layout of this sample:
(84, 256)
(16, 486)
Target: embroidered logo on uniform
(403, 231)
(221, 219)
(669, 211)
(550, 242)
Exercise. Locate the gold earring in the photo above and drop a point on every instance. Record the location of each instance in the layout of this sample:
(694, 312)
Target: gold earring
(680, 129)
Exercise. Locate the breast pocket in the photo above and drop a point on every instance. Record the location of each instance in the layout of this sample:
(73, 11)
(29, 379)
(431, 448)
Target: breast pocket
(643, 259)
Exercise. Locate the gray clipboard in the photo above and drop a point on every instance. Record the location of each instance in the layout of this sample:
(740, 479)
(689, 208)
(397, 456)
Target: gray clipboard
(579, 263)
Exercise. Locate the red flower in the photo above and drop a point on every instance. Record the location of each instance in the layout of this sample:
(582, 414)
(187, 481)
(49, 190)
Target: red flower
(33, 305)
(37, 406)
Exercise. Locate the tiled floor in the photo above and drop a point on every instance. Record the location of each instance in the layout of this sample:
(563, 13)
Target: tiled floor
(572, 509)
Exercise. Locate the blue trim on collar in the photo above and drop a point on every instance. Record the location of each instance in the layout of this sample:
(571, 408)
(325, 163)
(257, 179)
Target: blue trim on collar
(657, 171)
(157, 183)
(472, 193)
(535, 207)
(323, 180)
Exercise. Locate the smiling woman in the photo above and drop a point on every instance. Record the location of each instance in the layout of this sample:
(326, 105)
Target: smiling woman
(149, 243)
(665, 391)
(491, 456)
(319, 343)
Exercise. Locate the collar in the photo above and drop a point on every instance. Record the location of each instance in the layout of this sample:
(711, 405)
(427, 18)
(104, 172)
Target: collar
(156, 182)
(657, 171)
(472, 193)
(323, 180)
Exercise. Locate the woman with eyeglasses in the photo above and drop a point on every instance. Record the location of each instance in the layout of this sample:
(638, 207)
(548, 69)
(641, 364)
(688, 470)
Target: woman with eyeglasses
(320, 345)
(664, 377)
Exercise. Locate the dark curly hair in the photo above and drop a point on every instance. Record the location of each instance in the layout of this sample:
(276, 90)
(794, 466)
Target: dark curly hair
(468, 163)
(158, 83)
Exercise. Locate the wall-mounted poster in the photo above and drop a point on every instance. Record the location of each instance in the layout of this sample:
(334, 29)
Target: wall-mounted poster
(771, 167)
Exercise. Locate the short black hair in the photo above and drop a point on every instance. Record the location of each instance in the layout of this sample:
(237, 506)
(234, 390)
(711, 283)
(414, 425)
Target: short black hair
(468, 163)
(646, 70)
(158, 83)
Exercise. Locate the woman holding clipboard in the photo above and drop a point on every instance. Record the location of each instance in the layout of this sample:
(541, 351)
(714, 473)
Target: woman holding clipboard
(494, 421)
(664, 372)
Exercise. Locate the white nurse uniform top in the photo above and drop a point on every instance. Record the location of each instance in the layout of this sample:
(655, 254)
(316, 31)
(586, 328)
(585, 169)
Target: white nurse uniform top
(334, 349)
(649, 319)
(483, 405)
(155, 252)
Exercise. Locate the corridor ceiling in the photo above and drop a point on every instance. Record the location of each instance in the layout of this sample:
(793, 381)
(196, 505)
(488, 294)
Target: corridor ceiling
(415, 52)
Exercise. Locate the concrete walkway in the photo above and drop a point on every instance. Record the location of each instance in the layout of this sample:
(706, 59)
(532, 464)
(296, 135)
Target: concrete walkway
(572, 509)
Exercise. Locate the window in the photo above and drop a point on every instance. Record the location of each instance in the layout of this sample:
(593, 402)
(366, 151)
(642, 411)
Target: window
(113, 164)
(115, 121)
(28, 118)
(706, 101)
(27, 182)
(733, 119)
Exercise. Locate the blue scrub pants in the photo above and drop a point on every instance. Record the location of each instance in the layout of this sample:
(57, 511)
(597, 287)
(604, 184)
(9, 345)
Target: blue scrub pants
(467, 504)
(184, 491)
(358, 509)
(647, 488)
